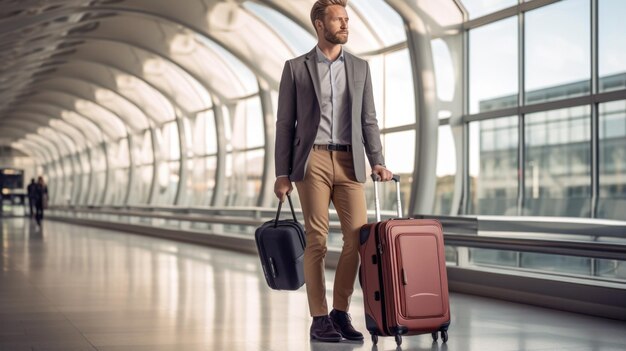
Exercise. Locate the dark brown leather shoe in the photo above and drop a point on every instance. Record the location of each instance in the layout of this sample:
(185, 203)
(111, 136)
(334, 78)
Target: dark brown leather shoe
(322, 329)
(343, 324)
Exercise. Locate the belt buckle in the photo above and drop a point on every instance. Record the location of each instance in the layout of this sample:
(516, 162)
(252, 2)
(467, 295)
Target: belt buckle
(332, 147)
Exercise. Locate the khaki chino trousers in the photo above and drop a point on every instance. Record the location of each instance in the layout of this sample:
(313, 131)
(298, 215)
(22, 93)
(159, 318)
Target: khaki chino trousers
(330, 177)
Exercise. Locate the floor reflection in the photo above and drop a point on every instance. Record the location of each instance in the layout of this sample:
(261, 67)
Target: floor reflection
(88, 288)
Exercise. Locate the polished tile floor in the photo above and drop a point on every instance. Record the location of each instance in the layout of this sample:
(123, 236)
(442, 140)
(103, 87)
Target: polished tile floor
(65, 287)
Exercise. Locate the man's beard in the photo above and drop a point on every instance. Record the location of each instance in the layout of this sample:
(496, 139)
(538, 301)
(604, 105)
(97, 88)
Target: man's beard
(334, 38)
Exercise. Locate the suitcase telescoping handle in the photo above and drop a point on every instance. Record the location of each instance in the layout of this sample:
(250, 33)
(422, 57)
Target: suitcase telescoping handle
(396, 179)
(280, 206)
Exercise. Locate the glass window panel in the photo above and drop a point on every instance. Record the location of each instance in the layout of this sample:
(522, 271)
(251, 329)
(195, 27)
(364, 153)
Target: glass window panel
(98, 161)
(142, 148)
(86, 189)
(118, 154)
(493, 66)
(612, 201)
(209, 134)
(202, 180)
(248, 37)
(489, 257)
(220, 75)
(558, 51)
(399, 98)
(446, 171)
(97, 187)
(245, 183)
(130, 113)
(444, 70)
(78, 186)
(556, 263)
(76, 136)
(493, 166)
(142, 182)
(558, 168)
(248, 126)
(229, 182)
(91, 130)
(117, 187)
(612, 269)
(255, 125)
(171, 141)
(110, 123)
(477, 8)
(300, 40)
(66, 145)
(178, 84)
(612, 46)
(400, 163)
(244, 75)
(153, 103)
(385, 21)
(82, 162)
(167, 183)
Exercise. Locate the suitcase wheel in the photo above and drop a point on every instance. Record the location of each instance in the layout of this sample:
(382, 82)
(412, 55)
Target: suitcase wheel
(375, 339)
(398, 340)
(435, 336)
(444, 335)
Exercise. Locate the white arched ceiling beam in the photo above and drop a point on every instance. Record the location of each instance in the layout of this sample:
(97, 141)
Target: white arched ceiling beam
(182, 46)
(56, 107)
(32, 149)
(33, 127)
(127, 110)
(46, 145)
(6, 134)
(123, 57)
(93, 20)
(102, 110)
(223, 22)
(175, 81)
(165, 38)
(125, 83)
(77, 135)
(111, 124)
(89, 128)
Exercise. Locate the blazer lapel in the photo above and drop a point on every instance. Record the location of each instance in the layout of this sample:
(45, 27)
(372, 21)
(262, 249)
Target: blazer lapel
(349, 73)
(311, 65)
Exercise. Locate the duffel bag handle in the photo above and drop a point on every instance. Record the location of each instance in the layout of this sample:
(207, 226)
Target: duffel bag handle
(280, 206)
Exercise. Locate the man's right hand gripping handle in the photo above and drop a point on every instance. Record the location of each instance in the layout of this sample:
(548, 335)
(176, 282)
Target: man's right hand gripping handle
(282, 187)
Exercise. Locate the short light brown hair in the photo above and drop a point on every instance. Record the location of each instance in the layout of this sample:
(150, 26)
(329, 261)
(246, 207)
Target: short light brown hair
(319, 9)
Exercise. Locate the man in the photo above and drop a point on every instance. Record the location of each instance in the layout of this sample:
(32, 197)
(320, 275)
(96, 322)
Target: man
(41, 199)
(30, 189)
(326, 125)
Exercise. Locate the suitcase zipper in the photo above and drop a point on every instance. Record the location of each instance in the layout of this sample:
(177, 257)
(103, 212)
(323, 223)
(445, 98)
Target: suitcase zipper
(379, 245)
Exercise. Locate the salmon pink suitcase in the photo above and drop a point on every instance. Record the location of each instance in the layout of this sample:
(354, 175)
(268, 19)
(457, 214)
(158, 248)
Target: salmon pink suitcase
(403, 276)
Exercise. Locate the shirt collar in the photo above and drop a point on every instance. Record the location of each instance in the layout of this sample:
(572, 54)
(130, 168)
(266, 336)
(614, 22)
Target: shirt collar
(322, 58)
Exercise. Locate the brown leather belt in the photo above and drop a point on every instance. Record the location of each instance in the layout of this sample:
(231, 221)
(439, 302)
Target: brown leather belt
(333, 147)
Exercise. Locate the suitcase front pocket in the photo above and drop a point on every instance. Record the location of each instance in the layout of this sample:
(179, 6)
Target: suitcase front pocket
(419, 280)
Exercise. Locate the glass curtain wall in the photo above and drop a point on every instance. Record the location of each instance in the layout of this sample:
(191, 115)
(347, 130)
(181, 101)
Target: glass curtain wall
(143, 168)
(535, 104)
(202, 164)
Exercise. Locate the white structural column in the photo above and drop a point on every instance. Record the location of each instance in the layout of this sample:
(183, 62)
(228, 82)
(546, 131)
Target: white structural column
(267, 182)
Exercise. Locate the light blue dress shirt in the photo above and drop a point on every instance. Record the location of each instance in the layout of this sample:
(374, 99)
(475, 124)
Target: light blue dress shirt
(335, 122)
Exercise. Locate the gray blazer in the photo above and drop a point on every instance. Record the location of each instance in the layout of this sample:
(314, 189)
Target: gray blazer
(299, 116)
